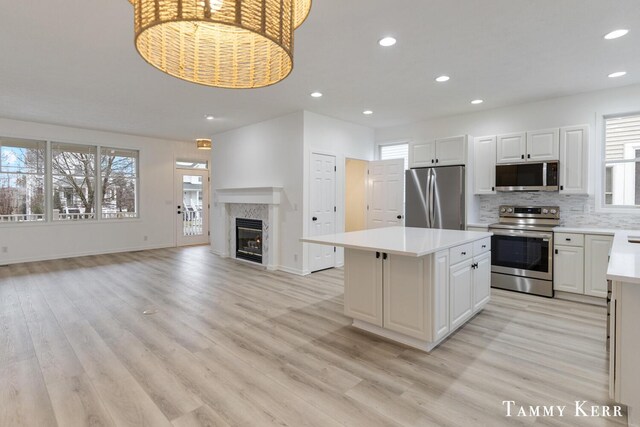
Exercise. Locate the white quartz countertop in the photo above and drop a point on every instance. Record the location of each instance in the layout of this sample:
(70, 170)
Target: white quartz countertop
(624, 263)
(407, 241)
(586, 230)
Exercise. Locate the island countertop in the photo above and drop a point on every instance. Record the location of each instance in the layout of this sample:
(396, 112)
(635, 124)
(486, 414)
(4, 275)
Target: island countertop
(407, 241)
(624, 263)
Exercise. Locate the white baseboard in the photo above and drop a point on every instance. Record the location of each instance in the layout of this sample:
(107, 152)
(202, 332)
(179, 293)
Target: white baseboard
(221, 254)
(585, 299)
(290, 270)
(84, 253)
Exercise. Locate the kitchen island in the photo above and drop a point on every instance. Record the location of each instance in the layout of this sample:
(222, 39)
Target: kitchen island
(415, 286)
(624, 370)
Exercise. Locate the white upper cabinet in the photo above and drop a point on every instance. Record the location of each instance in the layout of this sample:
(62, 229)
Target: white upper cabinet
(441, 152)
(512, 147)
(484, 165)
(422, 154)
(543, 145)
(451, 151)
(574, 159)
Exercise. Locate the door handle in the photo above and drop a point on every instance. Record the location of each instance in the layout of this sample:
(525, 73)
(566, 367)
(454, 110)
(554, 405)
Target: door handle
(315, 218)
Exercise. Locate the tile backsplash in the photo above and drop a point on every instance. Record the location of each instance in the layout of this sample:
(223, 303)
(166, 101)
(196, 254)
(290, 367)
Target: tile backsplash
(575, 210)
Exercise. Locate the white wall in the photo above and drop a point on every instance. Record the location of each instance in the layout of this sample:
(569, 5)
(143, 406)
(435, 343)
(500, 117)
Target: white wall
(344, 140)
(587, 108)
(39, 241)
(266, 154)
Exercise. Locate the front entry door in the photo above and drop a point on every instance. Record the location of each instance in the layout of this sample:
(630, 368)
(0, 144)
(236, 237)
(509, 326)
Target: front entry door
(386, 193)
(192, 207)
(323, 209)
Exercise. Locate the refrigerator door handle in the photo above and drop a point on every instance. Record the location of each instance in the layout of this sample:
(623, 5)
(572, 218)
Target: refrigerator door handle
(432, 191)
(428, 198)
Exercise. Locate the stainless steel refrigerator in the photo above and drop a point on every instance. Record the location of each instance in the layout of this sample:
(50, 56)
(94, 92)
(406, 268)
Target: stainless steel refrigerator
(435, 198)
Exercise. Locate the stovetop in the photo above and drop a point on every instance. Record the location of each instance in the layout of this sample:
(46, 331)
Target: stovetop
(534, 218)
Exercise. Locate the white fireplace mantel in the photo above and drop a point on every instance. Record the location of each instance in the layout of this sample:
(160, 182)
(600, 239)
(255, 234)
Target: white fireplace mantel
(249, 195)
(270, 196)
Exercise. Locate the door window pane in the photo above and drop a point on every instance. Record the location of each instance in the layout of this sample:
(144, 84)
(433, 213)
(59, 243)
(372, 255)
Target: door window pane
(119, 180)
(22, 180)
(74, 176)
(192, 188)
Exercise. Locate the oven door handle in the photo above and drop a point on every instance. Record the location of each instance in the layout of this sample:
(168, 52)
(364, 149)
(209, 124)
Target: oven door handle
(520, 233)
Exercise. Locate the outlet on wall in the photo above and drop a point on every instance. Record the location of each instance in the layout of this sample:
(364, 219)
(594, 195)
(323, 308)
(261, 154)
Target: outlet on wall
(5, 249)
(145, 238)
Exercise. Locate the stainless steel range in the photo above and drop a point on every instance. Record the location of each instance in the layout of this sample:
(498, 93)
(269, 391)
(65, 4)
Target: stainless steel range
(522, 249)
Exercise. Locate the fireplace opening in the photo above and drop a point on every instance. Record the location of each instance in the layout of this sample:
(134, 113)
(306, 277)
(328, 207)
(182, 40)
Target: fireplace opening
(249, 239)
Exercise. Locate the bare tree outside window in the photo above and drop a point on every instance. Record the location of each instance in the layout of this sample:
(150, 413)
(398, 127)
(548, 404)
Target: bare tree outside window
(22, 180)
(119, 180)
(73, 168)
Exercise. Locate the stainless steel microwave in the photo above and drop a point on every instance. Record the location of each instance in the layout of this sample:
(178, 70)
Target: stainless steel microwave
(531, 176)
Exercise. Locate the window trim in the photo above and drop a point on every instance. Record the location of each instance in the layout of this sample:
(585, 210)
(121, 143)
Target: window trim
(379, 145)
(601, 164)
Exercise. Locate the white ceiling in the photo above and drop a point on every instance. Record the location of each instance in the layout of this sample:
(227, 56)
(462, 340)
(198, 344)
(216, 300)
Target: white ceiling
(72, 62)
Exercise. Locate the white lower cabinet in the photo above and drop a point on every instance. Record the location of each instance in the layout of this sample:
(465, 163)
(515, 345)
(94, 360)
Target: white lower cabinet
(460, 293)
(363, 290)
(596, 257)
(481, 281)
(580, 263)
(568, 275)
(405, 299)
(422, 298)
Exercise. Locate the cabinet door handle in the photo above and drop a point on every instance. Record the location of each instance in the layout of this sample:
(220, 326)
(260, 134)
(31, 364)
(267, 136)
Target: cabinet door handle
(384, 256)
(433, 161)
(522, 157)
(556, 252)
(493, 188)
(314, 218)
(484, 246)
(399, 217)
(463, 253)
(562, 187)
(568, 239)
(437, 160)
(528, 156)
(377, 255)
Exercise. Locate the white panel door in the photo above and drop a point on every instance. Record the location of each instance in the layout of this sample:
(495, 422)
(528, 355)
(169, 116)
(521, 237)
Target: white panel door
(574, 159)
(596, 255)
(568, 270)
(460, 293)
(192, 196)
(405, 298)
(451, 151)
(322, 199)
(543, 145)
(386, 193)
(422, 154)
(484, 165)
(363, 285)
(481, 281)
(512, 148)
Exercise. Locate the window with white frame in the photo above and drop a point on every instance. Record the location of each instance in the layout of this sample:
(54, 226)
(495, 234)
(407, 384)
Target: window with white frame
(395, 151)
(73, 169)
(621, 163)
(119, 183)
(22, 180)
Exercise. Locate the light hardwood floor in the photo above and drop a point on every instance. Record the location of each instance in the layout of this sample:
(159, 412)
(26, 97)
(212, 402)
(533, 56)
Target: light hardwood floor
(232, 345)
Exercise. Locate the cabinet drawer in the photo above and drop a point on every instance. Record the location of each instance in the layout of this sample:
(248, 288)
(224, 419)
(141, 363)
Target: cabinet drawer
(461, 253)
(481, 246)
(569, 239)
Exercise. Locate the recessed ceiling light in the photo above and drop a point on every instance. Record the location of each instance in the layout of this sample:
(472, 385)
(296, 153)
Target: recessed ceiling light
(387, 41)
(316, 94)
(367, 112)
(477, 101)
(617, 74)
(209, 117)
(616, 34)
(442, 79)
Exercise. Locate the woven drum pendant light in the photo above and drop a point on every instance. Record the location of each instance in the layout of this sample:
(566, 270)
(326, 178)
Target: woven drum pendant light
(235, 44)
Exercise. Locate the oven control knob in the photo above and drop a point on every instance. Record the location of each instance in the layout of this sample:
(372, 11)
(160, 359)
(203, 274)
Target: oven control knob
(545, 211)
(509, 210)
(503, 210)
(553, 211)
